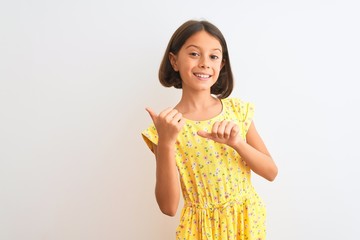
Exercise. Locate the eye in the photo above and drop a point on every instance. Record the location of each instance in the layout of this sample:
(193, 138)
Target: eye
(214, 57)
(194, 54)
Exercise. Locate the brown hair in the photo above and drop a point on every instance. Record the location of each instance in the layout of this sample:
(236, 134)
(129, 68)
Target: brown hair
(170, 78)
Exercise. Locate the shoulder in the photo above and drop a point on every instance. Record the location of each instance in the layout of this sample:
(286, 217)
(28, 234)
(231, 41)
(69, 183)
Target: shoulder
(243, 109)
(150, 136)
(236, 103)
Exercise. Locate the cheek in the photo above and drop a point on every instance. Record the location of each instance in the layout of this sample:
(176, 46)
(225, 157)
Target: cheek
(218, 66)
(186, 64)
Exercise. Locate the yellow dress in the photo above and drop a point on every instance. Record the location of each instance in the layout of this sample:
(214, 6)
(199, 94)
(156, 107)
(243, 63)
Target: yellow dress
(219, 199)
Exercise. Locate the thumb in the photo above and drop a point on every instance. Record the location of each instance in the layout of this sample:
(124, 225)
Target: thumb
(152, 114)
(204, 134)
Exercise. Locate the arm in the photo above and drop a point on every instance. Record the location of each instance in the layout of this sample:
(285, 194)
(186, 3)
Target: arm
(253, 151)
(256, 155)
(167, 190)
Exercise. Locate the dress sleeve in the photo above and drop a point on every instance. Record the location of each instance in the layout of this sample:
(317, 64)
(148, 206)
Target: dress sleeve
(150, 137)
(250, 109)
(246, 111)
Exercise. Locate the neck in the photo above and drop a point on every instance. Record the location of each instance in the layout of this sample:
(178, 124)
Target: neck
(191, 102)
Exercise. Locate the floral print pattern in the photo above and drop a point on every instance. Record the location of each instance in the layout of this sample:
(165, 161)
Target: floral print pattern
(220, 201)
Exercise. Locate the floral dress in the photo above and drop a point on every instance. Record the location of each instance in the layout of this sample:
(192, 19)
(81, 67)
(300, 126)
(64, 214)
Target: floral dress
(219, 199)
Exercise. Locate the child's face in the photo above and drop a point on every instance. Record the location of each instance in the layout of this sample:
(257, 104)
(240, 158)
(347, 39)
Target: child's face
(199, 62)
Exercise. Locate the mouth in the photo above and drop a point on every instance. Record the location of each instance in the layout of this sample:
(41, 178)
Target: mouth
(202, 75)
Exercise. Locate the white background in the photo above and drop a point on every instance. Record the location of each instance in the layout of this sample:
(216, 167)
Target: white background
(75, 77)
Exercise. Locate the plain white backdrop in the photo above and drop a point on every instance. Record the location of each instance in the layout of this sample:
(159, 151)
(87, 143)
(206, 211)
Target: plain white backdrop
(75, 77)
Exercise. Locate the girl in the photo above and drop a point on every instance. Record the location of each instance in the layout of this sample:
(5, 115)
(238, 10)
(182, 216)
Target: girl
(208, 142)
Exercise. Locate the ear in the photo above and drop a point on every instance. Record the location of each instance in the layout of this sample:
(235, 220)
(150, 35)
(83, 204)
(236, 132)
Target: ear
(173, 61)
(222, 64)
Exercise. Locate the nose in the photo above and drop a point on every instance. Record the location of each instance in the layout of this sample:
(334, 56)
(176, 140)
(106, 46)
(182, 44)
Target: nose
(204, 66)
(203, 63)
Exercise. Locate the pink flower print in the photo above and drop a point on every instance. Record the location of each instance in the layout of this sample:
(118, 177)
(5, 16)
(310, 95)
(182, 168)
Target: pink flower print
(193, 166)
(185, 160)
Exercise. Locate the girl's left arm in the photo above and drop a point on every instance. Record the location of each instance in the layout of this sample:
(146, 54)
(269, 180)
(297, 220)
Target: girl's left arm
(256, 155)
(253, 150)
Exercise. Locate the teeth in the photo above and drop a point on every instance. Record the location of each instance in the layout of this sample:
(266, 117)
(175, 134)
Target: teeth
(202, 75)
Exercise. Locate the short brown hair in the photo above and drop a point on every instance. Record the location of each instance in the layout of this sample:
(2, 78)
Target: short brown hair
(170, 78)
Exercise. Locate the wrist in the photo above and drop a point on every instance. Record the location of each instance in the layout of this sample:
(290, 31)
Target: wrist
(166, 144)
(237, 143)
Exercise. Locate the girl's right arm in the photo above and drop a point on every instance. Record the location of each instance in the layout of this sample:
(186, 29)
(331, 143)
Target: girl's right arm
(167, 190)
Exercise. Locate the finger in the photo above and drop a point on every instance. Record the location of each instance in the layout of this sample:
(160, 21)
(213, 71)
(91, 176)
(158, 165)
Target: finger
(164, 113)
(170, 115)
(228, 128)
(235, 131)
(221, 129)
(181, 123)
(152, 114)
(214, 131)
(176, 118)
(204, 134)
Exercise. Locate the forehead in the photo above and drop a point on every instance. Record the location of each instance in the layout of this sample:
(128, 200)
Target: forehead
(203, 40)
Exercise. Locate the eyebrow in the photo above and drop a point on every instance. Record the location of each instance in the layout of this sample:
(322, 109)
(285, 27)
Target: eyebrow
(214, 49)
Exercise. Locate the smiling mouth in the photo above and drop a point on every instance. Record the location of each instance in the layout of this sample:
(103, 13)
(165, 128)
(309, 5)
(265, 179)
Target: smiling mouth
(200, 75)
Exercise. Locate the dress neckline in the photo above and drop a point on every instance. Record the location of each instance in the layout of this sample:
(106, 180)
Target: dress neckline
(210, 119)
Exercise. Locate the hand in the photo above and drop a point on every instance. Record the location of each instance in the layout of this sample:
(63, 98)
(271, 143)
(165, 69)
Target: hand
(225, 132)
(168, 124)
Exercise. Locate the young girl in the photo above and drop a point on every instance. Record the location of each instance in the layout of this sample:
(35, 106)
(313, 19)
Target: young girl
(208, 142)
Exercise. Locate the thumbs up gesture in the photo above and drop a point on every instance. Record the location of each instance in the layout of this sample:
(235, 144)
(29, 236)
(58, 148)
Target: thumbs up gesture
(168, 124)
